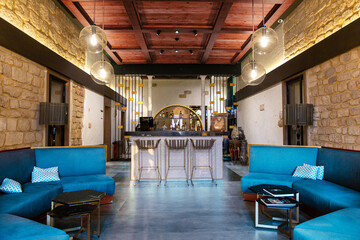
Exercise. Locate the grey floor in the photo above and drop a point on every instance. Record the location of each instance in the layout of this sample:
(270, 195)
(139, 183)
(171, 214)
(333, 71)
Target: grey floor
(204, 211)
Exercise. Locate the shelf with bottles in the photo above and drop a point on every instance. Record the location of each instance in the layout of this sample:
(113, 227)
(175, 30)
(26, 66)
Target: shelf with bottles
(177, 117)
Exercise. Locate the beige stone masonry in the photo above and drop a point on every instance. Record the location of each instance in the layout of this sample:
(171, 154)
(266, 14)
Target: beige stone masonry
(334, 89)
(77, 114)
(21, 90)
(314, 20)
(45, 22)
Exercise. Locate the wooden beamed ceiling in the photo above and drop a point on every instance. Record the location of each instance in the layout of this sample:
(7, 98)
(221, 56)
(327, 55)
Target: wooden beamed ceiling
(143, 31)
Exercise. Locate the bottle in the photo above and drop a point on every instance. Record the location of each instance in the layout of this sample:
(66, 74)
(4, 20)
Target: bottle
(185, 127)
(180, 114)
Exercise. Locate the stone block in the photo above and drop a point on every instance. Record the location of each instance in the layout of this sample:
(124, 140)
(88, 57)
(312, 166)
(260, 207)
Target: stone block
(352, 85)
(355, 73)
(23, 125)
(6, 69)
(38, 136)
(25, 104)
(355, 94)
(355, 111)
(329, 72)
(342, 76)
(349, 139)
(13, 138)
(2, 139)
(4, 101)
(343, 112)
(14, 103)
(2, 124)
(345, 96)
(29, 137)
(332, 79)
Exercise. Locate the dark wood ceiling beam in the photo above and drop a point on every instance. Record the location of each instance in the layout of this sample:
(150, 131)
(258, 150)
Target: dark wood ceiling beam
(271, 20)
(85, 20)
(220, 20)
(132, 14)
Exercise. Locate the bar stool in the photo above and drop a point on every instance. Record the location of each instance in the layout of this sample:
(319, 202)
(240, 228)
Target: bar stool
(202, 145)
(179, 144)
(145, 145)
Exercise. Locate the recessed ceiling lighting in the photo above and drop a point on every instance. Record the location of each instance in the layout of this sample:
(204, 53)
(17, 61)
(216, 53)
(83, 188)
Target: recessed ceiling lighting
(158, 32)
(195, 33)
(161, 51)
(176, 51)
(176, 39)
(191, 52)
(280, 21)
(177, 31)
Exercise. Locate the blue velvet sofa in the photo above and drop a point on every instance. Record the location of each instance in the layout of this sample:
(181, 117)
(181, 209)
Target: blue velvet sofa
(339, 190)
(80, 168)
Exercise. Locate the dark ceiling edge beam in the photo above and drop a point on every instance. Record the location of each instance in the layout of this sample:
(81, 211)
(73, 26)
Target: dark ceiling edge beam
(133, 16)
(179, 69)
(340, 42)
(219, 23)
(19, 42)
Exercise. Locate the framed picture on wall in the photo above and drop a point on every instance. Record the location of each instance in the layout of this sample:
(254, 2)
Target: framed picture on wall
(219, 122)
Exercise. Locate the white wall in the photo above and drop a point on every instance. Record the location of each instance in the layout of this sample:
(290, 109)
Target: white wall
(93, 125)
(167, 92)
(261, 127)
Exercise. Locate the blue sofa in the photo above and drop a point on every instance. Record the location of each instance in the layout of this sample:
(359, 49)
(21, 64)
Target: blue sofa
(80, 168)
(339, 189)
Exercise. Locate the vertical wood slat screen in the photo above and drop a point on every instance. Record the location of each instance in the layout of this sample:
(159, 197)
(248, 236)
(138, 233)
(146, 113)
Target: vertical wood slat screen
(218, 89)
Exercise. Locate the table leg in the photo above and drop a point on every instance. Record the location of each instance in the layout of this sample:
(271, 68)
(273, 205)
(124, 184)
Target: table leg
(98, 220)
(88, 227)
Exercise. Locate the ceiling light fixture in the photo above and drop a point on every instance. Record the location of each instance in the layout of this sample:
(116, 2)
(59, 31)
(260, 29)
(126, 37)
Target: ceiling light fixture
(176, 39)
(176, 51)
(253, 73)
(195, 33)
(92, 37)
(158, 32)
(177, 31)
(264, 39)
(102, 72)
(161, 51)
(191, 52)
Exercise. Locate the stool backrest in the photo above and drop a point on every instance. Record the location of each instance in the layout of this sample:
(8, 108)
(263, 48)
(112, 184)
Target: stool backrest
(147, 144)
(177, 144)
(203, 144)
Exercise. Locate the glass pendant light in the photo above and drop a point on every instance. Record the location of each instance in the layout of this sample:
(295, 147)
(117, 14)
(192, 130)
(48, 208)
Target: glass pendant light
(253, 73)
(102, 72)
(264, 39)
(93, 38)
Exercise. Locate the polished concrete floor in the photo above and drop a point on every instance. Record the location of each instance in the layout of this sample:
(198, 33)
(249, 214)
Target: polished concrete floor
(203, 211)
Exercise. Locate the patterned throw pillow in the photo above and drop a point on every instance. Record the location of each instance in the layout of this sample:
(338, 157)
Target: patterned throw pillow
(320, 171)
(45, 175)
(10, 186)
(309, 172)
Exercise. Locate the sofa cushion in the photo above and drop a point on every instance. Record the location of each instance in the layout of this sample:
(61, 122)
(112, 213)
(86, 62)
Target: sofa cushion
(98, 182)
(72, 161)
(253, 179)
(23, 159)
(33, 201)
(342, 224)
(280, 159)
(18, 228)
(341, 167)
(326, 196)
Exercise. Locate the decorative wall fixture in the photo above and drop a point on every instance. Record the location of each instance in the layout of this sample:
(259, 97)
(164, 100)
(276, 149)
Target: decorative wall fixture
(253, 73)
(218, 89)
(132, 88)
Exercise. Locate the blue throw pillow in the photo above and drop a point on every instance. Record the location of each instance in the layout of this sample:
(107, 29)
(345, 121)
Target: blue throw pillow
(10, 186)
(45, 175)
(320, 171)
(308, 171)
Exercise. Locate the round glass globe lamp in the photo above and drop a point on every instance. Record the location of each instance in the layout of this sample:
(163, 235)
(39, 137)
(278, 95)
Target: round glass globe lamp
(93, 38)
(253, 73)
(264, 40)
(102, 72)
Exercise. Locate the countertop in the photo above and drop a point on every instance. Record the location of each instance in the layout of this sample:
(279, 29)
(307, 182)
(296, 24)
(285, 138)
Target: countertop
(176, 133)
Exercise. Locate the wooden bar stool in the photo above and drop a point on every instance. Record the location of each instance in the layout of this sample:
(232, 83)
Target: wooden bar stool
(202, 145)
(179, 144)
(145, 145)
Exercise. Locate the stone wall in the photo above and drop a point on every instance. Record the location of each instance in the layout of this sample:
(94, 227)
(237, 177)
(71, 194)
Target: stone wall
(314, 20)
(334, 89)
(77, 113)
(44, 21)
(21, 90)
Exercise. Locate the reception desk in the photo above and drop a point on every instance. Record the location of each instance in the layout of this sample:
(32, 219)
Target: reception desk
(177, 156)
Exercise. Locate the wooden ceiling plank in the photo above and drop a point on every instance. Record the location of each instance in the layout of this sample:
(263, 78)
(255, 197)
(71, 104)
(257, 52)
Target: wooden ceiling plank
(133, 16)
(286, 4)
(241, 1)
(220, 20)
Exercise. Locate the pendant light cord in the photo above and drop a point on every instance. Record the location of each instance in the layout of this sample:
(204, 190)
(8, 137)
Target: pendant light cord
(102, 53)
(94, 11)
(263, 13)
(253, 53)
